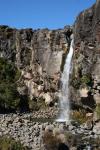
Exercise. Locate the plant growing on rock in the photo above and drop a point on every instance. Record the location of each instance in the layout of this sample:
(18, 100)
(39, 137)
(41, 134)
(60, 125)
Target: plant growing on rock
(76, 83)
(81, 80)
(86, 79)
(79, 116)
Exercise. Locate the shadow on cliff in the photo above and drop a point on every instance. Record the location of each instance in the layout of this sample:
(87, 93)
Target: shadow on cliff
(89, 101)
(23, 105)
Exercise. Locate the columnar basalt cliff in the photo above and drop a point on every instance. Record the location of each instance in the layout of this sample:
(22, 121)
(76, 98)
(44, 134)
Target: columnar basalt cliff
(39, 57)
(85, 82)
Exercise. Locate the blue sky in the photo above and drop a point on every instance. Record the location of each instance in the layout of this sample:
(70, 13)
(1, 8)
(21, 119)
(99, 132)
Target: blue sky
(52, 14)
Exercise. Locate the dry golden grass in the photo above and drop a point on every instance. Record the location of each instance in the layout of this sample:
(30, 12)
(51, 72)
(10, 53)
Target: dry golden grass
(79, 116)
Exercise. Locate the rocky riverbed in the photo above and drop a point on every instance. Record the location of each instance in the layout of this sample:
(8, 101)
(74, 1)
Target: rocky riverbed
(30, 131)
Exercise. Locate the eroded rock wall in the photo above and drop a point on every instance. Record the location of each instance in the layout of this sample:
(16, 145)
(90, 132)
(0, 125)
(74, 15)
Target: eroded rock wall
(38, 55)
(85, 82)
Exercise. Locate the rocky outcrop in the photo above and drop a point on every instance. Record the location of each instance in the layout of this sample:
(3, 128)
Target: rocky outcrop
(38, 55)
(86, 59)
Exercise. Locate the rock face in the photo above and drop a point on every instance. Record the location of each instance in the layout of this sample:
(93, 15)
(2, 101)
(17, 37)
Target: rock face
(86, 59)
(38, 55)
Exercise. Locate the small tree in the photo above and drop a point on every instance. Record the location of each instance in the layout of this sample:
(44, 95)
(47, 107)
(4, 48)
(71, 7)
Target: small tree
(9, 97)
(9, 74)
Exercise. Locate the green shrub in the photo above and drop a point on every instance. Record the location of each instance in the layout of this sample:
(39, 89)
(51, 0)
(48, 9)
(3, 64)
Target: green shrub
(9, 97)
(7, 143)
(35, 105)
(76, 83)
(8, 71)
(79, 116)
(9, 74)
(86, 79)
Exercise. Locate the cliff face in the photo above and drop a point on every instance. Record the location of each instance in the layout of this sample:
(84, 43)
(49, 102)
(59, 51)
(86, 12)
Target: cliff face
(85, 82)
(38, 55)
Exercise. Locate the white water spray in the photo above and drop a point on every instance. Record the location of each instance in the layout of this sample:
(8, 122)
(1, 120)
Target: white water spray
(64, 115)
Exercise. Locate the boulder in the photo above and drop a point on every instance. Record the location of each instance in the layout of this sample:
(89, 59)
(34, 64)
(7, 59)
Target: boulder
(97, 98)
(84, 92)
(48, 98)
(28, 76)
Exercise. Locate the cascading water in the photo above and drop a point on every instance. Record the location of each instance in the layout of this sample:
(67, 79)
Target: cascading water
(64, 95)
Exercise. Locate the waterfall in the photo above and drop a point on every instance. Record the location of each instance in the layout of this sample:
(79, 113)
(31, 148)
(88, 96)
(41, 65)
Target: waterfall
(64, 115)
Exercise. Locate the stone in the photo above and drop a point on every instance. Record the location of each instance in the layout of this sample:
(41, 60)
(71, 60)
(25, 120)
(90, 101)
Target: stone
(84, 92)
(28, 76)
(89, 115)
(48, 98)
(40, 88)
(97, 98)
(49, 128)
